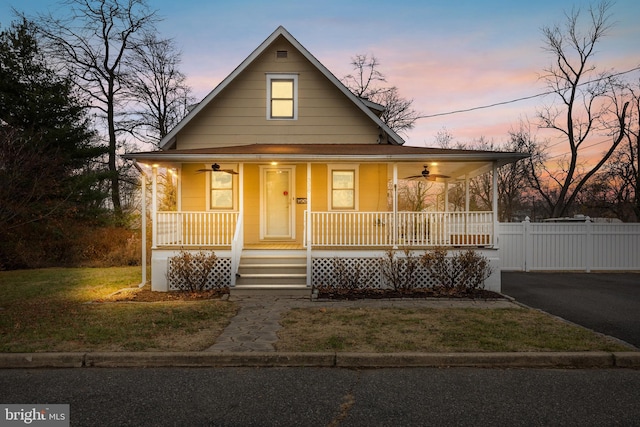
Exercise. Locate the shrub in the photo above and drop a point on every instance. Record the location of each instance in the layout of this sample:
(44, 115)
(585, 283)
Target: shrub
(191, 271)
(353, 277)
(462, 270)
(401, 273)
(475, 269)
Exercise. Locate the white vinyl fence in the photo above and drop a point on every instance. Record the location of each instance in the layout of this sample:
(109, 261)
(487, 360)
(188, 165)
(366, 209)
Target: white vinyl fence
(577, 246)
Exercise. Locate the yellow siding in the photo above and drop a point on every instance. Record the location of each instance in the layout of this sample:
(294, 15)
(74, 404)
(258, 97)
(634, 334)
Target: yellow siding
(251, 204)
(319, 200)
(301, 192)
(372, 188)
(194, 188)
(237, 115)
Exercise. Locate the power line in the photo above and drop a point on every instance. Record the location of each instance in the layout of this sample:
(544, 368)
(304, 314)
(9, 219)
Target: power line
(524, 98)
(581, 148)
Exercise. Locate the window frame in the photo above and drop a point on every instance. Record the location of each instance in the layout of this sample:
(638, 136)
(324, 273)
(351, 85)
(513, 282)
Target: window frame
(211, 189)
(343, 168)
(271, 77)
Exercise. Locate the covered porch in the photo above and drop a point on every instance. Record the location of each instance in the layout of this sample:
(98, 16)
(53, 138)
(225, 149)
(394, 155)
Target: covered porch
(317, 228)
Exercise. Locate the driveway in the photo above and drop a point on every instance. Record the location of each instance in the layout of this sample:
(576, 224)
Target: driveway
(605, 302)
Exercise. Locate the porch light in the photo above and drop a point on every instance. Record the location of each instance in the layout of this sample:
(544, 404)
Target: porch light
(274, 163)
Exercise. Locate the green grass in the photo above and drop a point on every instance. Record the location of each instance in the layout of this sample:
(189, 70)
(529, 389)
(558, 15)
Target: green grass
(56, 310)
(53, 310)
(388, 330)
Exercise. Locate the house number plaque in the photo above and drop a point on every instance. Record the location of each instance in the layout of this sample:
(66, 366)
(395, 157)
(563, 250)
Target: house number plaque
(301, 200)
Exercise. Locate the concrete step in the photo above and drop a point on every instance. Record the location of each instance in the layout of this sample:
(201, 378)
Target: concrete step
(244, 269)
(267, 269)
(272, 259)
(271, 279)
(292, 291)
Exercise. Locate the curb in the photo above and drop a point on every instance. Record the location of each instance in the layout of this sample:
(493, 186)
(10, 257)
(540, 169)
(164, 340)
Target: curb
(581, 360)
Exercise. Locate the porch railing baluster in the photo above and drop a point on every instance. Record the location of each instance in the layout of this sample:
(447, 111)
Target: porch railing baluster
(348, 229)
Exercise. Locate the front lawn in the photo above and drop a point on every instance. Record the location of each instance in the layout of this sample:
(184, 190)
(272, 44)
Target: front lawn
(390, 330)
(57, 310)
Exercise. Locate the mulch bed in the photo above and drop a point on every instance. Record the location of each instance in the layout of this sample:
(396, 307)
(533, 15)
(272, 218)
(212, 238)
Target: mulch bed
(353, 294)
(145, 294)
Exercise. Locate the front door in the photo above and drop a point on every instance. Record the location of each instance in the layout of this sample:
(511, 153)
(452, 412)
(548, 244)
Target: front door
(277, 219)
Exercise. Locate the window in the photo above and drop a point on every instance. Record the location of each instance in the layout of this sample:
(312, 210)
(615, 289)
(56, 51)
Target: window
(221, 190)
(343, 188)
(282, 94)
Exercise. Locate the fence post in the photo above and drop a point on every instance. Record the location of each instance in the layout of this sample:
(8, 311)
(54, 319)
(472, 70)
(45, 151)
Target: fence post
(527, 244)
(589, 244)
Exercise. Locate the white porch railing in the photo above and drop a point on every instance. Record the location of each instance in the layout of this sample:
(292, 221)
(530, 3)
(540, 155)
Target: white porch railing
(342, 229)
(195, 228)
(350, 228)
(413, 229)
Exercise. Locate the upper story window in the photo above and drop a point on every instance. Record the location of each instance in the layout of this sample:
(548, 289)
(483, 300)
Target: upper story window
(282, 96)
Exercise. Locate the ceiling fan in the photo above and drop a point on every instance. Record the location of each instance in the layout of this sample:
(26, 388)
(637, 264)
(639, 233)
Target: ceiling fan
(428, 175)
(216, 168)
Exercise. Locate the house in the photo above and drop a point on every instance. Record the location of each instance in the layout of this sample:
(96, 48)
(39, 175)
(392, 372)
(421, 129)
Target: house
(281, 169)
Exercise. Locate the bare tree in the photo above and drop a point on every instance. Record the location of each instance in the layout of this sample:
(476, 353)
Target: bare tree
(414, 196)
(366, 82)
(631, 151)
(159, 88)
(584, 105)
(444, 138)
(618, 184)
(92, 42)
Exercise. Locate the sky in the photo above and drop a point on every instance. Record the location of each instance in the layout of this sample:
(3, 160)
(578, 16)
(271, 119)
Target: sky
(444, 55)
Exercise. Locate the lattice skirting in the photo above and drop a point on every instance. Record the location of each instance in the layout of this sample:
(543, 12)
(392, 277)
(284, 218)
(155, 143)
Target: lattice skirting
(219, 277)
(367, 268)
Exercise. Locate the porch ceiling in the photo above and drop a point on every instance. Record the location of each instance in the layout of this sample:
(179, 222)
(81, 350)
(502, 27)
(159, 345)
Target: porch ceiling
(453, 163)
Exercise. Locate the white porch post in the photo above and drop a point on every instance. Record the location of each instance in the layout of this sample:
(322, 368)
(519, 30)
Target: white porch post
(179, 189)
(154, 207)
(309, 227)
(494, 203)
(395, 206)
(143, 224)
(158, 261)
(241, 189)
(144, 228)
(446, 196)
(467, 196)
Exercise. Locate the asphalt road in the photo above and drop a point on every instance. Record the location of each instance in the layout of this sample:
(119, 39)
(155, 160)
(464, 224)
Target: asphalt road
(604, 302)
(339, 397)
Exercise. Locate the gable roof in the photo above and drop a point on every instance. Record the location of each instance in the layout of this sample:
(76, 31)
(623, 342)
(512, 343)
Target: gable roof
(169, 140)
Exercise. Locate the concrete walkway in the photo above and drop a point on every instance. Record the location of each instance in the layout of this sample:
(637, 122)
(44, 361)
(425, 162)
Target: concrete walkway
(255, 327)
